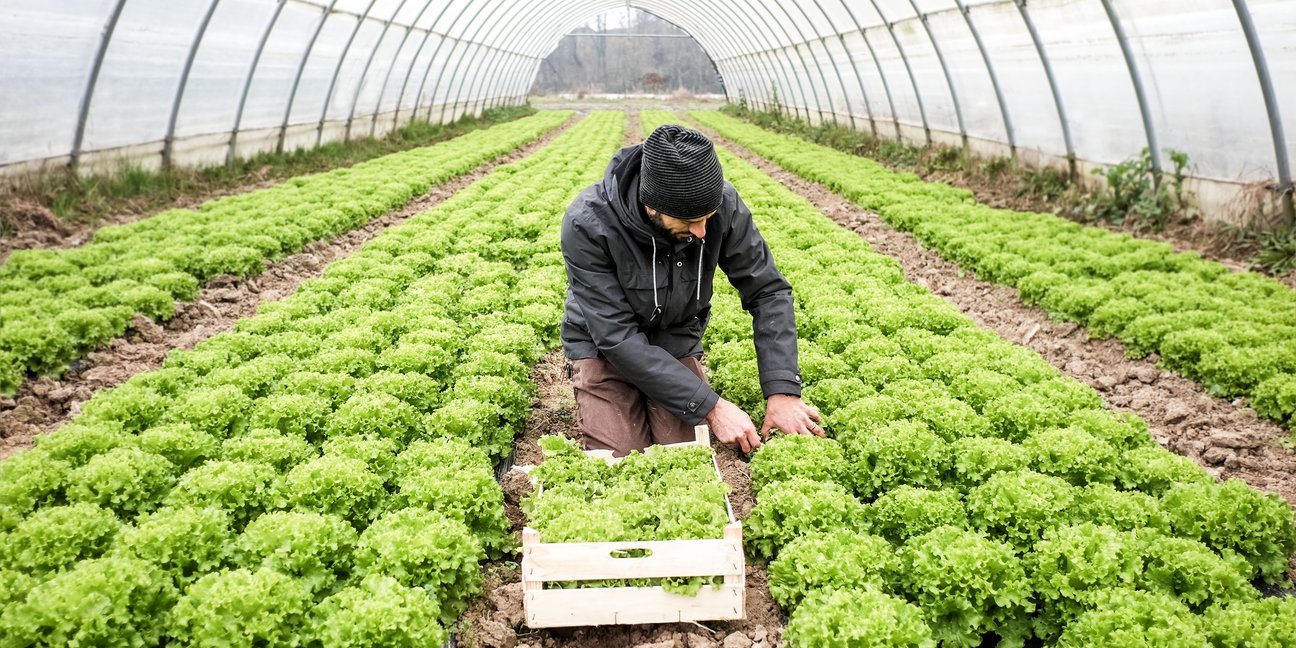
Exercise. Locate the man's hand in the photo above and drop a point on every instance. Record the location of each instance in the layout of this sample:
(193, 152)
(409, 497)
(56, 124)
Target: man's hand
(732, 426)
(791, 415)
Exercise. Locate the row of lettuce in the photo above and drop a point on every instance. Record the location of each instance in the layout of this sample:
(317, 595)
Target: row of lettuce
(58, 305)
(323, 474)
(1231, 331)
(969, 489)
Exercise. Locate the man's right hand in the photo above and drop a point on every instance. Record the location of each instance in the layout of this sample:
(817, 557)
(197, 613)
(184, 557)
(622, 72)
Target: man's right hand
(732, 426)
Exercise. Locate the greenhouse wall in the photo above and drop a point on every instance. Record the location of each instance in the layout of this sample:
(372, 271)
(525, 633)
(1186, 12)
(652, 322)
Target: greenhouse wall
(1070, 83)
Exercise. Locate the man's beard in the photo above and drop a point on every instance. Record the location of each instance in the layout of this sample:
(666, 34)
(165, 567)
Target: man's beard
(660, 225)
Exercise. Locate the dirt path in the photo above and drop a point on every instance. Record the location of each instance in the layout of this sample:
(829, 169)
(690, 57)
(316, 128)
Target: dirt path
(1228, 440)
(495, 620)
(44, 404)
(38, 227)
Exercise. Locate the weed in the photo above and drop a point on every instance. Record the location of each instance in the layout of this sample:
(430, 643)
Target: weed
(1277, 250)
(1135, 190)
(1044, 183)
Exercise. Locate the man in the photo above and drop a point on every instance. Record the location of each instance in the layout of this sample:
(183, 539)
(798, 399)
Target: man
(641, 249)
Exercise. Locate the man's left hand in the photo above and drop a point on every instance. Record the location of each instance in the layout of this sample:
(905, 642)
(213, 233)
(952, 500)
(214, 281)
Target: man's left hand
(791, 415)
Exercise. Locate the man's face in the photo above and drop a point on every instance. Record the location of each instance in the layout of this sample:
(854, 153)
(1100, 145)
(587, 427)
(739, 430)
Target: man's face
(679, 228)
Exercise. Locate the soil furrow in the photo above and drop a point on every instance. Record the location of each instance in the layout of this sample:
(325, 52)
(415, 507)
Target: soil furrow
(44, 404)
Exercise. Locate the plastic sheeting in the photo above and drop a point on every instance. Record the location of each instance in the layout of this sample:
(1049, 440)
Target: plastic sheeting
(203, 81)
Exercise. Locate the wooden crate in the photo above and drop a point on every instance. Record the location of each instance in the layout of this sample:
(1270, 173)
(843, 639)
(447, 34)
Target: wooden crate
(575, 561)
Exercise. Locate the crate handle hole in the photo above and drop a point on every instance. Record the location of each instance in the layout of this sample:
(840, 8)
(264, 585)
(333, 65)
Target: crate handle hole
(631, 553)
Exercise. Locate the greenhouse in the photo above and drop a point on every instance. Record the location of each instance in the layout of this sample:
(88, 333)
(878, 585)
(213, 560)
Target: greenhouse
(644, 323)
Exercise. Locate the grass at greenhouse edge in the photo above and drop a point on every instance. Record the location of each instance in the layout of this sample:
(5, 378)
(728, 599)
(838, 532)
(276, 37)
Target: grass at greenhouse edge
(58, 208)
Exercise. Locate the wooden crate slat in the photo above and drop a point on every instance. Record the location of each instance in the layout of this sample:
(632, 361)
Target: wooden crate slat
(565, 561)
(571, 561)
(623, 605)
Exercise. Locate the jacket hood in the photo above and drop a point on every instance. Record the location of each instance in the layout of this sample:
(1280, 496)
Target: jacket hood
(620, 187)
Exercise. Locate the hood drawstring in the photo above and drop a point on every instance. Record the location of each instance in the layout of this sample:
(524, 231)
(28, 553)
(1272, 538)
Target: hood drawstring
(656, 305)
(702, 249)
(697, 296)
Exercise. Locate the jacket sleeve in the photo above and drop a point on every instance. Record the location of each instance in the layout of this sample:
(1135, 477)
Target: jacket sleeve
(746, 259)
(593, 283)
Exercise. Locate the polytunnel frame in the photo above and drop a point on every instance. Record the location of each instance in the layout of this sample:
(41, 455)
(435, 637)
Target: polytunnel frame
(877, 63)
(488, 67)
(409, 71)
(471, 41)
(364, 73)
(1271, 108)
(301, 67)
(169, 139)
(769, 58)
(337, 69)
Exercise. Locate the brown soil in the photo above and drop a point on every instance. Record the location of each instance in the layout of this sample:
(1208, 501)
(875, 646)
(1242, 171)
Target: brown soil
(35, 226)
(1228, 439)
(44, 404)
(495, 620)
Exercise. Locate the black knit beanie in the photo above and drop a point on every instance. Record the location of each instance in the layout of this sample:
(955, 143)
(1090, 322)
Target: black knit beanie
(680, 175)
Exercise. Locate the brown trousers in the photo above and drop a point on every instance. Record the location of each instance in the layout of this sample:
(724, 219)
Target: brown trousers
(613, 414)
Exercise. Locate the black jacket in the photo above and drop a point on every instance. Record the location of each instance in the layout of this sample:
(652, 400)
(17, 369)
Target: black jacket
(616, 311)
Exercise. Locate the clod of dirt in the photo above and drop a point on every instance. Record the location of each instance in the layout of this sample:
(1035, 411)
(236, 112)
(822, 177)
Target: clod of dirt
(695, 640)
(506, 601)
(737, 640)
(669, 643)
(517, 485)
(495, 634)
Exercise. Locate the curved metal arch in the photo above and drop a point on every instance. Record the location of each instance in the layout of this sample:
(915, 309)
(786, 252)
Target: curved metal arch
(994, 78)
(750, 64)
(382, 92)
(247, 81)
(492, 54)
(922, 110)
(511, 46)
(819, 68)
(337, 70)
(877, 63)
(1053, 84)
(169, 139)
(400, 99)
(841, 39)
(1271, 108)
(512, 39)
(364, 74)
(301, 67)
(83, 109)
(949, 78)
(747, 67)
(734, 46)
(472, 42)
(419, 95)
(549, 41)
(774, 70)
(773, 47)
(1135, 78)
(534, 40)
